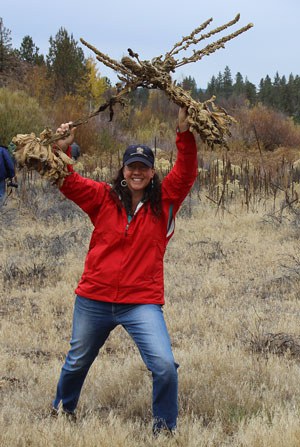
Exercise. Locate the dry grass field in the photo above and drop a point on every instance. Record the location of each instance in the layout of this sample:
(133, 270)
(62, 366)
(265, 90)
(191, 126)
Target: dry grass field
(231, 279)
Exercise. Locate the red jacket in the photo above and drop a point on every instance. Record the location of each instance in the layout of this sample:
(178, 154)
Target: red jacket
(124, 263)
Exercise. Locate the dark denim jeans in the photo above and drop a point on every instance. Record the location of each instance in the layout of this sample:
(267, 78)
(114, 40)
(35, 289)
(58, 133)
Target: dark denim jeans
(92, 323)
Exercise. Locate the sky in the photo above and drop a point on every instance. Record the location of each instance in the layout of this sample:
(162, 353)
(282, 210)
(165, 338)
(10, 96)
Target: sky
(152, 28)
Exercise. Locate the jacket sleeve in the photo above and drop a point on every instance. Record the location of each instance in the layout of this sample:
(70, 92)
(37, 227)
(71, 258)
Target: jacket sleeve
(177, 184)
(9, 164)
(86, 193)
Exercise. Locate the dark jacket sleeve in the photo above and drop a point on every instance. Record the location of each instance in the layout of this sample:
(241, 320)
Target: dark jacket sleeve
(177, 184)
(9, 169)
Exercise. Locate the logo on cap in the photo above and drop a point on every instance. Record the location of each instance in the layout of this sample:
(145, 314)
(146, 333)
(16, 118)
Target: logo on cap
(139, 153)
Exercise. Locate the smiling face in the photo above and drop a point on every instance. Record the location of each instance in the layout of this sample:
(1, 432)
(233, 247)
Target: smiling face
(138, 177)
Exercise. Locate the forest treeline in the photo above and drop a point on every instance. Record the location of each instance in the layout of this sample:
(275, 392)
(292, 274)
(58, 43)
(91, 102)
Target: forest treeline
(38, 90)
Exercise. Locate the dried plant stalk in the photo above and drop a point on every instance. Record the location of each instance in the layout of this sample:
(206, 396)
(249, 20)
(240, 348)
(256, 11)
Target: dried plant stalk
(211, 122)
(35, 153)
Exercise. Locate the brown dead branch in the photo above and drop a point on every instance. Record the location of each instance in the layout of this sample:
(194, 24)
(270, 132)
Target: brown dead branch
(35, 153)
(210, 121)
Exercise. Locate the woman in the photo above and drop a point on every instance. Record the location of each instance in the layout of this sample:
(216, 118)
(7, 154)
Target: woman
(122, 282)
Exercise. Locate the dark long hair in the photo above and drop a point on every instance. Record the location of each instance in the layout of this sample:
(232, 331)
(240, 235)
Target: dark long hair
(152, 194)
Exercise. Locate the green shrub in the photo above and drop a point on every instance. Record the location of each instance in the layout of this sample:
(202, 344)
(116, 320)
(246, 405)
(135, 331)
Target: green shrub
(19, 113)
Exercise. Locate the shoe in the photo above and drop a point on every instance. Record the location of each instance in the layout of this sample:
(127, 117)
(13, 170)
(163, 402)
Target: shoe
(54, 412)
(160, 428)
(167, 432)
(70, 415)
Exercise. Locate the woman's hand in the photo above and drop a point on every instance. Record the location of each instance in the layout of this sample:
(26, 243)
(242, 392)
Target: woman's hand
(183, 124)
(64, 143)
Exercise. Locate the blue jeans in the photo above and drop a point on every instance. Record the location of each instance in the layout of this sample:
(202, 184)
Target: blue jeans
(92, 323)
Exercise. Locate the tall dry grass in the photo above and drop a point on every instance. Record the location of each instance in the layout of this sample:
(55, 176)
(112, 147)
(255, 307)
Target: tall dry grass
(231, 276)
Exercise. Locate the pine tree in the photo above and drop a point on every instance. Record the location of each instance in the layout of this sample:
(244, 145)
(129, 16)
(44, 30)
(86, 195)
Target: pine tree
(294, 91)
(29, 52)
(219, 84)
(285, 99)
(5, 47)
(211, 87)
(239, 85)
(265, 91)
(250, 91)
(227, 85)
(276, 92)
(66, 63)
(190, 85)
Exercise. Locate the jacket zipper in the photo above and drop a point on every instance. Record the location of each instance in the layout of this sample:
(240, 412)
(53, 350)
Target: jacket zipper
(139, 206)
(125, 234)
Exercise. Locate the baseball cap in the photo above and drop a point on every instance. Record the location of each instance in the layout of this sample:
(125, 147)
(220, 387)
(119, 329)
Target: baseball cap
(138, 152)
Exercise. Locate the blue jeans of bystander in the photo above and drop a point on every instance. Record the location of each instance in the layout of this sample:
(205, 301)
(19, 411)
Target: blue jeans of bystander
(92, 323)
